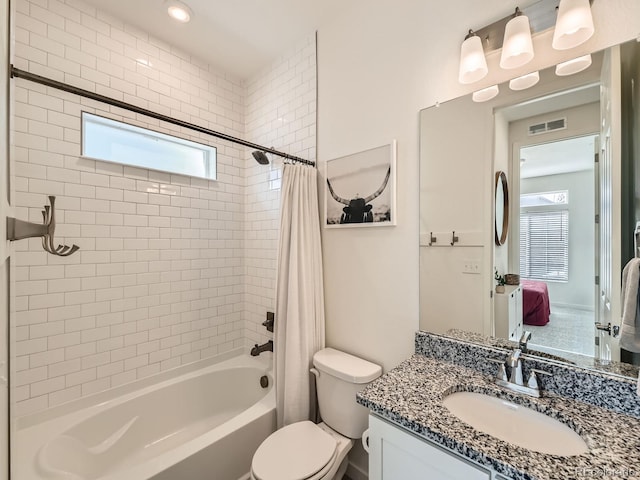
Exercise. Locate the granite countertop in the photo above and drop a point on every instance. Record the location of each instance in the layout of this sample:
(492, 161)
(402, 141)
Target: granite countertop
(411, 396)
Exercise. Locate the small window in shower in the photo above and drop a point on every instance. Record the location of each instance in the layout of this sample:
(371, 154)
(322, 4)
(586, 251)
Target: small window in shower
(118, 142)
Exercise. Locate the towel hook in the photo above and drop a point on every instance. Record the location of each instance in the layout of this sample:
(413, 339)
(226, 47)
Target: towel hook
(19, 229)
(454, 239)
(432, 239)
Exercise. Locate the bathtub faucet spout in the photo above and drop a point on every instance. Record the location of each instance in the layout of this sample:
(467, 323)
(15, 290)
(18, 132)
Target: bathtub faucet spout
(258, 349)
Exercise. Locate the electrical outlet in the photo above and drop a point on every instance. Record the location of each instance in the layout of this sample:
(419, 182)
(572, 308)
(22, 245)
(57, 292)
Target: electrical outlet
(472, 267)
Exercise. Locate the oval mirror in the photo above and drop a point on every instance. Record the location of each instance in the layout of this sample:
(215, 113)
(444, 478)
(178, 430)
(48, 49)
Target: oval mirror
(502, 208)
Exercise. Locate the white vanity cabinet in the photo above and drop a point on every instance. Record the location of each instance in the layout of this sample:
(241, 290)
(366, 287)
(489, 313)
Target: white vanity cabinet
(395, 453)
(508, 313)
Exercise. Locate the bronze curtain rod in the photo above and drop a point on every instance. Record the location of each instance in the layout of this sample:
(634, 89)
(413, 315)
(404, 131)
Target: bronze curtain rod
(18, 73)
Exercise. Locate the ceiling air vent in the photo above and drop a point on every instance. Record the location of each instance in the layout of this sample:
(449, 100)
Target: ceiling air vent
(550, 126)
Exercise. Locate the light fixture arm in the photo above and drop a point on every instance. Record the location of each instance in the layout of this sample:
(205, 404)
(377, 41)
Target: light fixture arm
(470, 34)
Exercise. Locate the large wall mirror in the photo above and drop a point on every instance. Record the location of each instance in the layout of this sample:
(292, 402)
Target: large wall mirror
(569, 149)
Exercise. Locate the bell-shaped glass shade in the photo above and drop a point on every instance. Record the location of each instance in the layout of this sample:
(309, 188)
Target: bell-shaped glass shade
(517, 47)
(574, 25)
(525, 81)
(473, 65)
(573, 66)
(485, 94)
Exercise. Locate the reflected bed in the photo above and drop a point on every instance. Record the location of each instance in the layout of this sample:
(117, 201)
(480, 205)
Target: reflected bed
(535, 302)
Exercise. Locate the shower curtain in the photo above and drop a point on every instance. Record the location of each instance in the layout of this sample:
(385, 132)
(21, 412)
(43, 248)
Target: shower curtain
(299, 326)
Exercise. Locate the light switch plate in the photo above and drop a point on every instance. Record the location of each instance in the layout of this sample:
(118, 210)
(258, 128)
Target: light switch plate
(472, 267)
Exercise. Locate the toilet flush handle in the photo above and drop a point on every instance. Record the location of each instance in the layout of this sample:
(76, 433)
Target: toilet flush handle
(365, 440)
(315, 372)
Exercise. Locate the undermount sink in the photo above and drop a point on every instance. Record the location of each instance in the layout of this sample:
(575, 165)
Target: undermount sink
(515, 424)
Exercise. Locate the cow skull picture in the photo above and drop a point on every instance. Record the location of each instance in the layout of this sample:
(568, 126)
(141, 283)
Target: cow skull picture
(358, 210)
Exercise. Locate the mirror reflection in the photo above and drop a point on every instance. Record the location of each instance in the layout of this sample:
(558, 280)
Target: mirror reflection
(568, 148)
(502, 208)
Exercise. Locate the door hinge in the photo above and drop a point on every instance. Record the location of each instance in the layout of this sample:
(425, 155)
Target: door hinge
(597, 218)
(598, 280)
(596, 157)
(491, 294)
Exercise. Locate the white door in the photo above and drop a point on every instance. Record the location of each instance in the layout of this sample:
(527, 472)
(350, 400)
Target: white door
(5, 195)
(596, 231)
(610, 201)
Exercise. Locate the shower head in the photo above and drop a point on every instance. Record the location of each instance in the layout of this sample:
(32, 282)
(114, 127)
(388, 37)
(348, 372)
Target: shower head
(260, 157)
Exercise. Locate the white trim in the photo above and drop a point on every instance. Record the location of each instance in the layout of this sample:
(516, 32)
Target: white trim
(573, 306)
(356, 473)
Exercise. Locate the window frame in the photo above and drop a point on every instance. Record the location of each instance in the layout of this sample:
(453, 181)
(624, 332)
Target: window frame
(210, 151)
(550, 210)
(545, 205)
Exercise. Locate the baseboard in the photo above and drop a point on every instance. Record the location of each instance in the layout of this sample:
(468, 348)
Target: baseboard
(356, 473)
(584, 308)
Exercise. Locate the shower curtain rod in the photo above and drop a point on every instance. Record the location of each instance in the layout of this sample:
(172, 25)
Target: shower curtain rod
(18, 73)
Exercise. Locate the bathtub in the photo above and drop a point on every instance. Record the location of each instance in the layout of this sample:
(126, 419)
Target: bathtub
(201, 425)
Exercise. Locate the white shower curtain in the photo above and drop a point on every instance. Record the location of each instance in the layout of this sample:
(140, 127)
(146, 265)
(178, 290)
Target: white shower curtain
(299, 326)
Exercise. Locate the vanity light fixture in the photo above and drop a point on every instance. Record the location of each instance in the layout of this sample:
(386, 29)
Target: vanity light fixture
(178, 11)
(525, 81)
(517, 46)
(473, 64)
(574, 25)
(485, 94)
(573, 66)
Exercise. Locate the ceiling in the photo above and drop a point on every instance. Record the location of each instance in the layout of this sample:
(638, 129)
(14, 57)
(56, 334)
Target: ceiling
(563, 156)
(239, 37)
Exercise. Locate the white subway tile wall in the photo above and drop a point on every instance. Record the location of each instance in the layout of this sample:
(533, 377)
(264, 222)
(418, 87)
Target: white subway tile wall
(171, 269)
(280, 113)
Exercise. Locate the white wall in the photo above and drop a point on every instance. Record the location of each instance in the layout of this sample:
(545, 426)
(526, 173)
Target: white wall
(280, 113)
(581, 120)
(158, 280)
(579, 291)
(171, 269)
(453, 193)
(378, 65)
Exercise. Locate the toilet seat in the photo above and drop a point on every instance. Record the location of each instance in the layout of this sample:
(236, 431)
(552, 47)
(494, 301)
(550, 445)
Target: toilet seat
(300, 451)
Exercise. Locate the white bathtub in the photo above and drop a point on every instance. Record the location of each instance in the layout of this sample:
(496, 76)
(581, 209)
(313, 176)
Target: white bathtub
(202, 425)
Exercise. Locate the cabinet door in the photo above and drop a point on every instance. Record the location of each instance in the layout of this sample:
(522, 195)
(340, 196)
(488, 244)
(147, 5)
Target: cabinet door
(396, 454)
(518, 318)
(513, 324)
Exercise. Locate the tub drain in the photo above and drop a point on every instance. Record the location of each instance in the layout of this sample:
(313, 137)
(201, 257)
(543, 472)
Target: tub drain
(264, 381)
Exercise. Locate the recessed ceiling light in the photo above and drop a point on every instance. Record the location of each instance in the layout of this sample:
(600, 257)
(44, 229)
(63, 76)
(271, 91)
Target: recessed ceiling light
(178, 11)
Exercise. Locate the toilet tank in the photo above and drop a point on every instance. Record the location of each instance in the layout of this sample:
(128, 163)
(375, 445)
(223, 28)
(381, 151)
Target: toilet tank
(339, 377)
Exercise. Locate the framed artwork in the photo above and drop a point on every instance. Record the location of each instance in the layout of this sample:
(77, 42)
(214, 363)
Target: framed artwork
(361, 189)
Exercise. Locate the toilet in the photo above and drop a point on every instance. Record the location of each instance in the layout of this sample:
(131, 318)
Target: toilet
(306, 451)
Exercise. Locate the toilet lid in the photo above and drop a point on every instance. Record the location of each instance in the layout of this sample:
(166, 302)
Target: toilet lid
(295, 452)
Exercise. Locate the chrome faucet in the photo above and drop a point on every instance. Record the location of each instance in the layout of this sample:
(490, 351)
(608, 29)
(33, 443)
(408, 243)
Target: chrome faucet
(514, 381)
(524, 339)
(515, 366)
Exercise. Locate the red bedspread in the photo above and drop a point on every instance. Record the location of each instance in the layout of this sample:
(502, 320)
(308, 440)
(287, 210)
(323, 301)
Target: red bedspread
(535, 302)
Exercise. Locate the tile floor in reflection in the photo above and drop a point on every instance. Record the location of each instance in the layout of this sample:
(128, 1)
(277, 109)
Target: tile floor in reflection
(569, 329)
